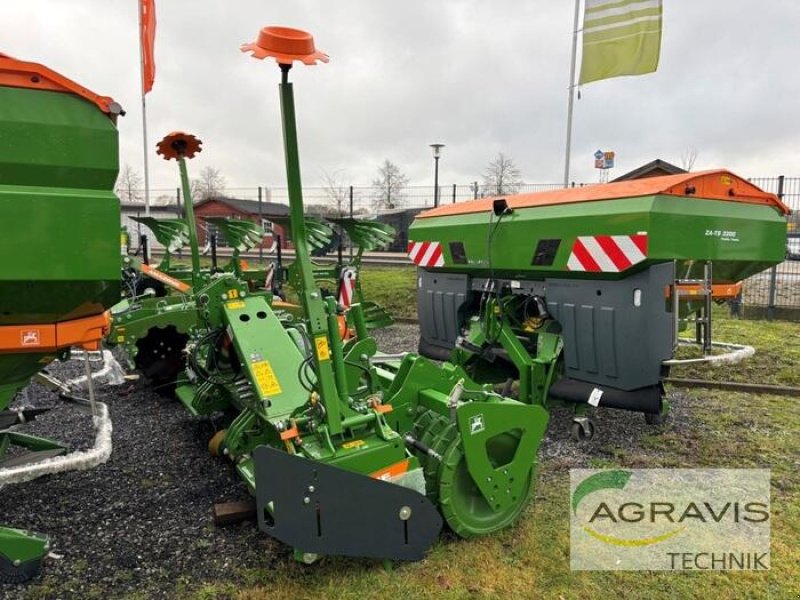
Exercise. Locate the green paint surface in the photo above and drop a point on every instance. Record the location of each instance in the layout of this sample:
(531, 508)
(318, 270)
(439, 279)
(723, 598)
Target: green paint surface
(741, 239)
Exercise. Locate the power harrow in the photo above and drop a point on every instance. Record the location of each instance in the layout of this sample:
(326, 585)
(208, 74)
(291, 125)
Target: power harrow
(349, 451)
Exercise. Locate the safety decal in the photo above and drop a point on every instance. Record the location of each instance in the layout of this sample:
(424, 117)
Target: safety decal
(607, 253)
(426, 254)
(265, 377)
(347, 285)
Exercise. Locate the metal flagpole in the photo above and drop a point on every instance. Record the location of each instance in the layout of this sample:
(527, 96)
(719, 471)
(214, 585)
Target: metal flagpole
(571, 102)
(144, 114)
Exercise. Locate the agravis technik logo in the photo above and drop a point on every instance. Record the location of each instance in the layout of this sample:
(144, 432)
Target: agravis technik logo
(670, 519)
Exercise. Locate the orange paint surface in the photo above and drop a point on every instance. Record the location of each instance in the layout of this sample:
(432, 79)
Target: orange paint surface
(709, 185)
(21, 74)
(86, 333)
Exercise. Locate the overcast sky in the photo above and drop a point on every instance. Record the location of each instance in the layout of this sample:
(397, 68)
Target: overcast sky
(481, 77)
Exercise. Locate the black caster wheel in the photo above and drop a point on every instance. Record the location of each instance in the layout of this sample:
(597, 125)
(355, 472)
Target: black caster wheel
(582, 430)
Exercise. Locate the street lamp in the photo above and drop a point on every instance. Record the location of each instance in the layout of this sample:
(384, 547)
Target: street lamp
(437, 152)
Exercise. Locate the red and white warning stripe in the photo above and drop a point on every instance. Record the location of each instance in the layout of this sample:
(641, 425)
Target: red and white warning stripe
(607, 253)
(347, 286)
(270, 277)
(426, 254)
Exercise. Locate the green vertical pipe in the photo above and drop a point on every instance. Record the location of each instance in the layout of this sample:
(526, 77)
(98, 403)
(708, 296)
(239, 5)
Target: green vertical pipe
(357, 315)
(189, 207)
(310, 296)
(337, 352)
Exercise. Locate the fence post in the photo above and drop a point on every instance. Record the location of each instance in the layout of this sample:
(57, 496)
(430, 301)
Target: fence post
(454, 193)
(260, 224)
(773, 272)
(351, 216)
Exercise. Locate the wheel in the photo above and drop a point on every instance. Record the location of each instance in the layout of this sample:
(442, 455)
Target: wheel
(160, 357)
(216, 441)
(583, 430)
(144, 283)
(462, 504)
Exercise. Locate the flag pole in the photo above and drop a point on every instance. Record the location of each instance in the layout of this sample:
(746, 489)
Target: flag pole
(571, 101)
(144, 114)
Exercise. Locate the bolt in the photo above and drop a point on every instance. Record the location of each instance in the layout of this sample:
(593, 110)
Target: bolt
(306, 500)
(405, 513)
(224, 296)
(311, 489)
(488, 479)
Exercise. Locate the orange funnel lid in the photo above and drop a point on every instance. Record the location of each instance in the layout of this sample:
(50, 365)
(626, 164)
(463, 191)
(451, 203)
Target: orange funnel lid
(285, 45)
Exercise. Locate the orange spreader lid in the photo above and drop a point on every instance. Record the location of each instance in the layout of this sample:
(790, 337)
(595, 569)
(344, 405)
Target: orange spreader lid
(706, 185)
(285, 45)
(21, 74)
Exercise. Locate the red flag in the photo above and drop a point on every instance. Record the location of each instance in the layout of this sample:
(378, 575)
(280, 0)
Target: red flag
(147, 26)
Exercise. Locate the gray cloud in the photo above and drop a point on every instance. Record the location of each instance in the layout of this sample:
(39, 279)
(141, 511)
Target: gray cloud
(480, 77)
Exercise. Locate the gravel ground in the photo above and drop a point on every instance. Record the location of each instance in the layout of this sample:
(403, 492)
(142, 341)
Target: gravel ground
(141, 523)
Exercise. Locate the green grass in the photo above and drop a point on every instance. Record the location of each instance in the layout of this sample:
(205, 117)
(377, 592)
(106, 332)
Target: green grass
(777, 345)
(391, 287)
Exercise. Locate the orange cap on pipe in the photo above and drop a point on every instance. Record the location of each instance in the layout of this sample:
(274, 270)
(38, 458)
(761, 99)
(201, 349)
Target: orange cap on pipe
(285, 45)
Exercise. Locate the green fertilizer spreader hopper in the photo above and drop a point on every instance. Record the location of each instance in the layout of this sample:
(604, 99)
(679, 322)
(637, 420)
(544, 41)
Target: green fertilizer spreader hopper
(600, 279)
(60, 243)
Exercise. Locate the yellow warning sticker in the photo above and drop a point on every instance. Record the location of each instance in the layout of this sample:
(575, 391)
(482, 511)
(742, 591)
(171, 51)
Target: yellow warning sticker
(234, 293)
(726, 180)
(354, 444)
(235, 305)
(120, 339)
(323, 352)
(265, 378)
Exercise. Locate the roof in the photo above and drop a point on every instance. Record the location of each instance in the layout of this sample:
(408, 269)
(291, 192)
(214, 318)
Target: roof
(709, 185)
(652, 169)
(140, 207)
(250, 206)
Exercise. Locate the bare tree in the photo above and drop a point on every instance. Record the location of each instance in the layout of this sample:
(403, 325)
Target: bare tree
(129, 186)
(336, 191)
(688, 156)
(389, 185)
(210, 184)
(501, 177)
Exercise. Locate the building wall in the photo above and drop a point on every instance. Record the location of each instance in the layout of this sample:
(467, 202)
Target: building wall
(214, 208)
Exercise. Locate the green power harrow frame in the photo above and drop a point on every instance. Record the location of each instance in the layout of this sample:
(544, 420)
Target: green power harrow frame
(350, 451)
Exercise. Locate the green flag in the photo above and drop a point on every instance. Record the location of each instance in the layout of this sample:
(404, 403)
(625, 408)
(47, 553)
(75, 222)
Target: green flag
(620, 37)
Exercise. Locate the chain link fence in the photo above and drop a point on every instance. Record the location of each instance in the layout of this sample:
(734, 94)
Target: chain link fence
(775, 294)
